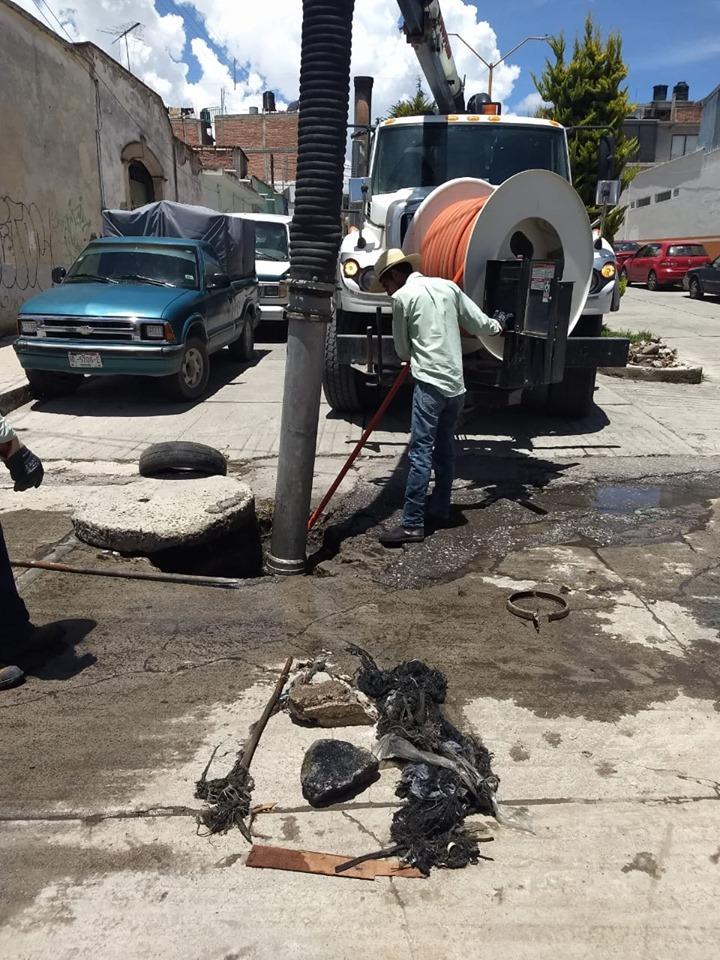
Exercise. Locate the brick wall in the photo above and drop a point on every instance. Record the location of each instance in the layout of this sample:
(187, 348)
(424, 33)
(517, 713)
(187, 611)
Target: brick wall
(686, 112)
(187, 129)
(224, 158)
(262, 137)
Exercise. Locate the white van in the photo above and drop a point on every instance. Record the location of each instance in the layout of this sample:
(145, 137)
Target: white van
(272, 261)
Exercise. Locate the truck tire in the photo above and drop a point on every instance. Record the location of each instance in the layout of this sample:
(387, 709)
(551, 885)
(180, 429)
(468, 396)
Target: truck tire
(191, 380)
(343, 386)
(244, 347)
(180, 456)
(46, 384)
(573, 396)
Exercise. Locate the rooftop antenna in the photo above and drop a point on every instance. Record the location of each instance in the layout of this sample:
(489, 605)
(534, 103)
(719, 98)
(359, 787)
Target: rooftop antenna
(120, 33)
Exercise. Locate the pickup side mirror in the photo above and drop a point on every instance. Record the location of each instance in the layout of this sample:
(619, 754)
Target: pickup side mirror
(218, 281)
(58, 274)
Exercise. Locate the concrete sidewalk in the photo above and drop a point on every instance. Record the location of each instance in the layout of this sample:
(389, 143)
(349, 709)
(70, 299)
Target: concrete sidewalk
(14, 389)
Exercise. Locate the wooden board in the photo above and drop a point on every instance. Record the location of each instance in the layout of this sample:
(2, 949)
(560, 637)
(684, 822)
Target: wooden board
(308, 861)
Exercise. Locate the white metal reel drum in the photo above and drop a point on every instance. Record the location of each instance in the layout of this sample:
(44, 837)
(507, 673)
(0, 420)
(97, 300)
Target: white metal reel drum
(442, 197)
(539, 216)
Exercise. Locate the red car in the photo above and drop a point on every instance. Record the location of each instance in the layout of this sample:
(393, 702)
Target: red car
(624, 249)
(664, 262)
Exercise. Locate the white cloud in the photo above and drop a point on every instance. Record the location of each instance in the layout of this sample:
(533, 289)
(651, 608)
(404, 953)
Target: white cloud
(265, 41)
(529, 105)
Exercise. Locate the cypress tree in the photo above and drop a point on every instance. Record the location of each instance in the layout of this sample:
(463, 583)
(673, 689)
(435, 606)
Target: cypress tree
(588, 90)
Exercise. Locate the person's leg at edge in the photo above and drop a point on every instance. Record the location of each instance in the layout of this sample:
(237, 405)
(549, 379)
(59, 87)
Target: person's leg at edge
(13, 614)
(427, 409)
(444, 458)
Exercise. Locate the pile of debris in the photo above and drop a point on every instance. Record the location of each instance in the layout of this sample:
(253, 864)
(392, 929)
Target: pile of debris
(446, 774)
(653, 353)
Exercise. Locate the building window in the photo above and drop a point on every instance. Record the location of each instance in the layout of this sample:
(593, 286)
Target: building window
(142, 190)
(644, 201)
(665, 195)
(682, 144)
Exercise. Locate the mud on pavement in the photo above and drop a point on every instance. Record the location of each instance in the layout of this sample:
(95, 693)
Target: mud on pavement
(616, 703)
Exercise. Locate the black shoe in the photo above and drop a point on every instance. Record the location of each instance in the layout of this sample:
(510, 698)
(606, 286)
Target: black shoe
(397, 536)
(10, 676)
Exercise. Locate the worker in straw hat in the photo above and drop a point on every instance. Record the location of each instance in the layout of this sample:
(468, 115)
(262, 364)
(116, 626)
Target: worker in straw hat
(428, 313)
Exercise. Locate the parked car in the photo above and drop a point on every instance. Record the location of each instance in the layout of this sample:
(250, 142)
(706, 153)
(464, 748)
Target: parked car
(664, 262)
(152, 306)
(702, 280)
(624, 249)
(272, 261)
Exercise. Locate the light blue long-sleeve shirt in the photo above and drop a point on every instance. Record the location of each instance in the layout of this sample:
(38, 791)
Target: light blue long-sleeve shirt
(6, 431)
(427, 315)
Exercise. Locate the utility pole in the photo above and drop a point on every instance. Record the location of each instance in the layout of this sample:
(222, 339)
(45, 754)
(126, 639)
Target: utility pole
(491, 66)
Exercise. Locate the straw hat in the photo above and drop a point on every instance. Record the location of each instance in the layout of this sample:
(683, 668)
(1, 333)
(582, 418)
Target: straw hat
(393, 258)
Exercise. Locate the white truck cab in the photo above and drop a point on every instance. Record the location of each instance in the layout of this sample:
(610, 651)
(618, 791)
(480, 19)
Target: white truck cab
(272, 262)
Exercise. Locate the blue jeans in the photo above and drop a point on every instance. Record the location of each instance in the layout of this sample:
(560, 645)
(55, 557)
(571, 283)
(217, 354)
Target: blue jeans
(432, 447)
(13, 612)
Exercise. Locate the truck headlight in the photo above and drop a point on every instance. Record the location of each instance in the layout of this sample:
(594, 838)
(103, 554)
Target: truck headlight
(608, 271)
(351, 268)
(158, 331)
(282, 290)
(27, 328)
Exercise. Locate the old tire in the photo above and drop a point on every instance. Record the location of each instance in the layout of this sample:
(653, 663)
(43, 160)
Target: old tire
(179, 456)
(191, 380)
(652, 282)
(343, 386)
(46, 384)
(695, 290)
(244, 347)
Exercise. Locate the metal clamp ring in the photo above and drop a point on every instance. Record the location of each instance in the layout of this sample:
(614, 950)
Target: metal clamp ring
(526, 614)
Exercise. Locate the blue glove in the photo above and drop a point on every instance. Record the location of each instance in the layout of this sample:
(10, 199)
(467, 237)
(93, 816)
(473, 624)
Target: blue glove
(506, 320)
(25, 469)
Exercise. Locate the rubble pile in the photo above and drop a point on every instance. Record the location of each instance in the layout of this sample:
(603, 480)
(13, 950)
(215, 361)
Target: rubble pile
(653, 353)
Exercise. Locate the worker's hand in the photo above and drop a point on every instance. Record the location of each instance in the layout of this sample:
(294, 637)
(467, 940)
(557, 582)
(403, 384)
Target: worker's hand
(25, 469)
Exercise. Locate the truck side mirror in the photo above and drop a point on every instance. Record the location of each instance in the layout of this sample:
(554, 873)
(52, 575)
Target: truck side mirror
(218, 281)
(358, 188)
(58, 274)
(606, 157)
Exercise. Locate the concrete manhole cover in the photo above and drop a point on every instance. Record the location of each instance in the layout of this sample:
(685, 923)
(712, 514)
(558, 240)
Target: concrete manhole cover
(148, 515)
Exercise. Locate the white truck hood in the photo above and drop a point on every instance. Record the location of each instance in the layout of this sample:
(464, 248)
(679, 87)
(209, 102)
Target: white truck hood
(271, 269)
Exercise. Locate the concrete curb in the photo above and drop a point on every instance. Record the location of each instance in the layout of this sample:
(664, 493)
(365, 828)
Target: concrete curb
(14, 397)
(655, 374)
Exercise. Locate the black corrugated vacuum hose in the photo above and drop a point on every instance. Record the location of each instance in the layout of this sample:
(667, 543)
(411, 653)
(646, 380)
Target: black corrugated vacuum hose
(315, 232)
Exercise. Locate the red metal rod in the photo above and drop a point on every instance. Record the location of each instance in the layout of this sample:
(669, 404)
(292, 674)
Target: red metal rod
(315, 516)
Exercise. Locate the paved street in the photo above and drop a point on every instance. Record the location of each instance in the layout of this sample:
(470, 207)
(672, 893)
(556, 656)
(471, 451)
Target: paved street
(603, 726)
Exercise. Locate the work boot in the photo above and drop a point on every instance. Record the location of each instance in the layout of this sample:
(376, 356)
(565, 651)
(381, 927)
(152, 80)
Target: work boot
(397, 536)
(10, 676)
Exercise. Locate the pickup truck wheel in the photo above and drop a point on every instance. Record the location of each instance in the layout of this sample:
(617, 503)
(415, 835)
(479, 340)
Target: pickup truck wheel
(181, 456)
(244, 347)
(696, 291)
(343, 386)
(46, 384)
(191, 380)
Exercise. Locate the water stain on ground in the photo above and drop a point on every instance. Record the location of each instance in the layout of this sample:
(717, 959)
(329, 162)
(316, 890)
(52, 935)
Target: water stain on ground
(554, 739)
(644, 862)
(605, 769)
(519, 753)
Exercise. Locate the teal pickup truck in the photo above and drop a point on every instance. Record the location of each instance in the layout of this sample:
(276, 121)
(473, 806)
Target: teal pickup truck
(154, 306)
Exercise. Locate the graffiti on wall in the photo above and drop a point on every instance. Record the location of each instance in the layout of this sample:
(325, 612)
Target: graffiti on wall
(30, 240)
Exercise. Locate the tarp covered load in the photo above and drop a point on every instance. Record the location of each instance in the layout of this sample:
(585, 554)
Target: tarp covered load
(232, 238)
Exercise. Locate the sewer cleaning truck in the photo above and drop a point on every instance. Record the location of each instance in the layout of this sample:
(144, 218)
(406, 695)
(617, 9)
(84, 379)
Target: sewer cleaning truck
(479, 195)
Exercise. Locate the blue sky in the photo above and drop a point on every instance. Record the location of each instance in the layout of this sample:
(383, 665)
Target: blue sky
(661, 47)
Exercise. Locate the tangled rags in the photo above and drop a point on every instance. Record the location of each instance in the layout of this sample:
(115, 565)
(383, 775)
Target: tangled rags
(228, 798)
(449, 774)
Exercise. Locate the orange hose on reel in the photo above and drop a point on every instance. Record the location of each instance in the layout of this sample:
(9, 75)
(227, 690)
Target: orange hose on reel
(445, 244)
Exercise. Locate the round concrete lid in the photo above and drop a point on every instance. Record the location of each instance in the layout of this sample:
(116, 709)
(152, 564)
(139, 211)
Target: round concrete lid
(148, 515)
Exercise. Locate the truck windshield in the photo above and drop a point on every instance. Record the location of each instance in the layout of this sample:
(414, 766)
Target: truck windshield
(135, 262)
(428, 154)
(271, 241)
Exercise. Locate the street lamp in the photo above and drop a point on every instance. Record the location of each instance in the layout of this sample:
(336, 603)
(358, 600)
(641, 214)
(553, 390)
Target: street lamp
(491, 66)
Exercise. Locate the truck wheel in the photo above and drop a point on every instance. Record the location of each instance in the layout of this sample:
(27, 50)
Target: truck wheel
(696, 291)
(46, 384)
(343, 386)
(181, 456)
(573, 396)
(244, 347)
(191, 380)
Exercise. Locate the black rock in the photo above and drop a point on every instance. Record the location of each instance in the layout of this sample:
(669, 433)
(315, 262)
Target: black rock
(335, 770)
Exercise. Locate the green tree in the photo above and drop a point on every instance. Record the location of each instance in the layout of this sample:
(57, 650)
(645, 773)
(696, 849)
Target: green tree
(415, 106)
(587, 91)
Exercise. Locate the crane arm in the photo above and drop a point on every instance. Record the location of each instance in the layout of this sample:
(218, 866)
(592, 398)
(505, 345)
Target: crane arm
(424, 28)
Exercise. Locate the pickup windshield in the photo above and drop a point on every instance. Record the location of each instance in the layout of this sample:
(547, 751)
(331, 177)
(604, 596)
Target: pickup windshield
(271, 241)
(136, 263)
(428, 154)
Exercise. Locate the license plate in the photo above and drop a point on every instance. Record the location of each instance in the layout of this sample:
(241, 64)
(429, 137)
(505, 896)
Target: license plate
(86, 360)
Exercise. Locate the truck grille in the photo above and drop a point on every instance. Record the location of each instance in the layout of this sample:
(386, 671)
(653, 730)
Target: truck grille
(90, 328)
(596, 282)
